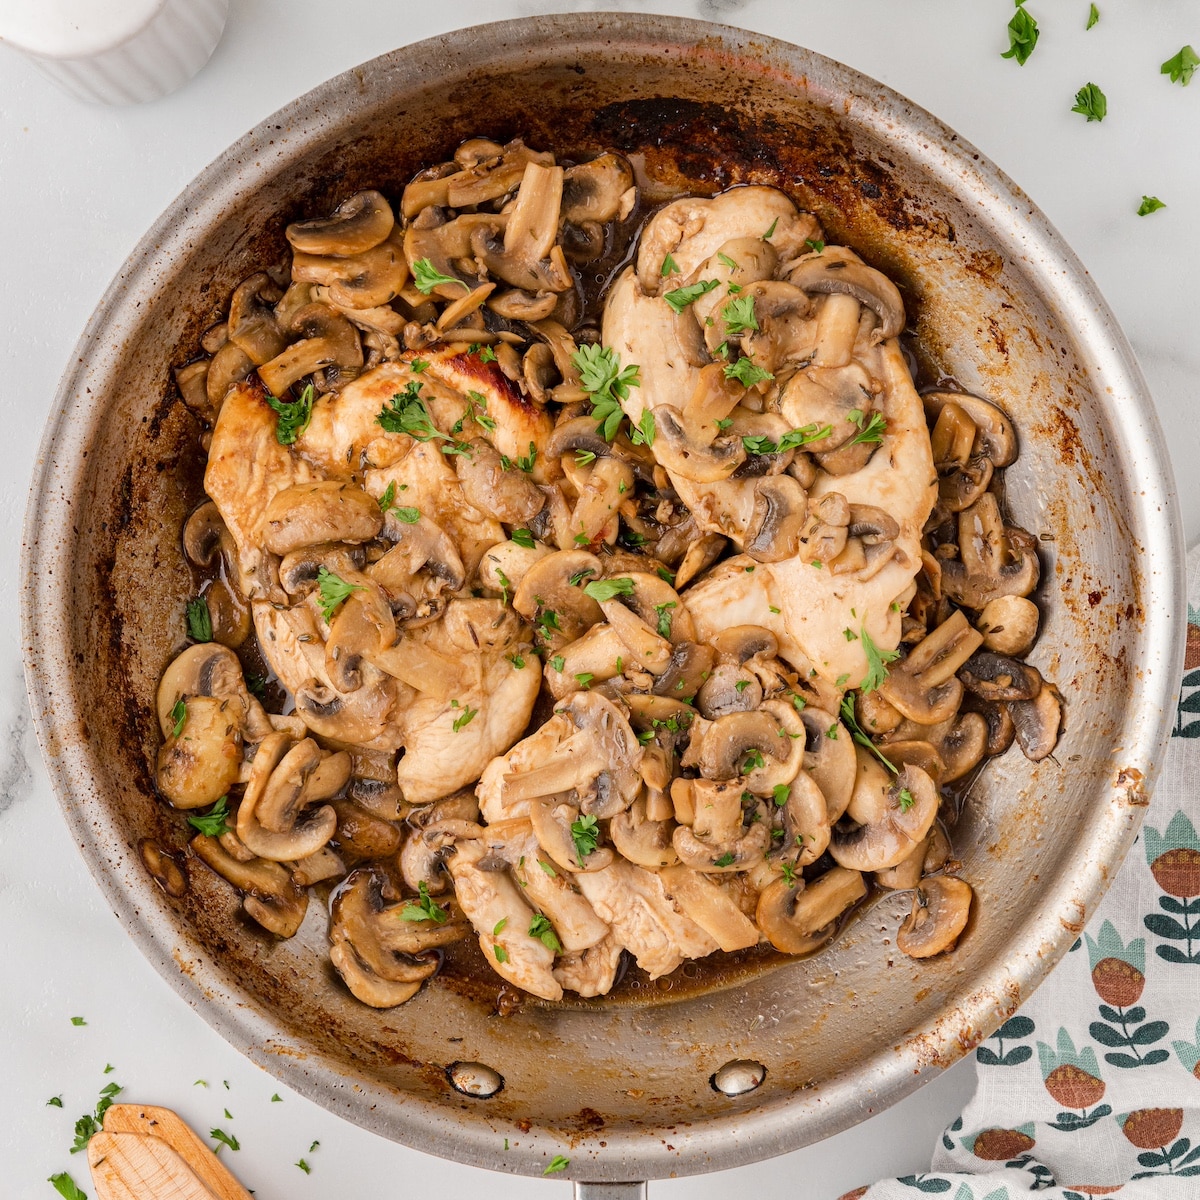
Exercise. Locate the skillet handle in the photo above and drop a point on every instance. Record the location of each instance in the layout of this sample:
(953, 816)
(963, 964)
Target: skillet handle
(610, 1191)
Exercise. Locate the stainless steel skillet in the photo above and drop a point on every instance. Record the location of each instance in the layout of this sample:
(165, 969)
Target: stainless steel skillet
(631, 1088)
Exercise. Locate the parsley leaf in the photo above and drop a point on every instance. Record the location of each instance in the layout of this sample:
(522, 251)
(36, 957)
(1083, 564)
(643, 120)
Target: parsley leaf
(680, 298)
(607, 589)
(874, 430)
(606, 383)
(199, 620)
(856, 732)
(405, 412)
(522, 537)
(814, 244)
(738, 315)
(54, 1102)
(213, 823)
(226, 1139)
(468, 715)
(747, 372)
(664, 617)
(66, 1187)
(789, 873)
(425, 908)
(1148, 205)
(726, 860)
(876, 662)
(541, 929)
(726, 261)
(557, 1163)
(1022, 36)
(1182, 67)
(92, 1123)
(792, 440)
(905, 800)
(1093, 17)
(409, 516)
(584, 678)
(558, 662)
(332, 590)
(642, 434)
(517, 661)
(1091, 102)
(766, 237)
(293, 416)
(500, 953)
(780, 792)
(417, 365)
(585, 833)
(304, 1166)
(669, 267)
(179, 716)
(426, 276)
(584, 457)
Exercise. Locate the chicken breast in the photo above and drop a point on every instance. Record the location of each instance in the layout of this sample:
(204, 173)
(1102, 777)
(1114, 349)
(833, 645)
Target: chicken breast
(644, 921)
(493, 904)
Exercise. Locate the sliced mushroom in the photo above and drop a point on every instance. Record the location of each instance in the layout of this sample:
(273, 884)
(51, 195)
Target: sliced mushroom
(596, 190)
(425, 849)
(806, 821)
(688, 454)
(780, 504)
(825, 530)
(379, 973)
(798, 919)
(923, 685)
(358, 223)
(941, 907)
(547, 588)
(733, 743)
(552, 826)
(295, 843)
(308, 514)
(272, 899)
(304, 775)
(198, 765)
(838, 270)
(712, 908)
(591, 659)
(994, 433)
(507, 495)
(728, 689)
(917, 752)
(718, 840)
(994, 559)
(1009, 625)
(327, 340)
(596, 516)
(641, 840)
(829, 758)
(252, 324)
(1037, 723)
(230, 365)
(646, 649)
(838, 399)
(906, 873)
(962, 476)
(700, 555)
(505, 564)
(362, 282)
(299, 570)
(687, 673)
(960, 741)
(997, 677)
(892, 817)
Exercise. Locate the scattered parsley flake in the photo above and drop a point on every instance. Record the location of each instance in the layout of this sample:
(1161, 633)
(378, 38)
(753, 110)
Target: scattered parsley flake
(680, 298)
(606, 589)
(780, 793)
(585, 833)
(541, 928)
(547, 867)
(418, 365)
(669, 267)
(426, 276)
(1148, 205)
(557, 1163)
(213, 823)
(80, 1020)
(333, 591)
(293, 416)
(726, 860)
(738, 315)
(799, 703)
(1093, 17)
(666, 576)
(406, 412)
(518, 661)
(766, 237)
(1182, 66)
(905, 800)
(1022, 36)
(199, 620)
(877, 661)
(1091, 102)
(500, 953)
(468, 715)
(584, 458)
(664, 617)
(856, 732)
(772, 608)
(498, 928)
(753, 761)
(872, 432)
(741, 685)
(747, 372)
(425, 908)
(642, 434)
(725, 260)
(789, 872)
(815, 245)
(179, 716)
(558, 662)
(304, 1166)
(523, 538)
(276, 1099)
(54, 1102)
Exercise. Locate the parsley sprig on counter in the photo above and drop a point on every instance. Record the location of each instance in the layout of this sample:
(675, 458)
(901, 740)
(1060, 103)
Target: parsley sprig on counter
(1023, 36)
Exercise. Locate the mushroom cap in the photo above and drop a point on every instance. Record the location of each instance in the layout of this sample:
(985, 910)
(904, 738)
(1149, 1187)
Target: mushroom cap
(273, 900)
(307, 514)
(547, 587)
(205, 669)
(358, 223)
(552, 828)
(838, 270)
(1037, 723)
(729, 688)
(642, 841)
(1009, 625)
(688, 671)
(780, 506)
(941, 906)
(252, 324)
(507, 495)
(923, 685)
(996, 677)
(699, 556)
(200, 765)
(712, 908)
(890, 825)
(799, 919)
(594, 190)
(683, 452)
(994, 433)
(831, 761)
(731, 738)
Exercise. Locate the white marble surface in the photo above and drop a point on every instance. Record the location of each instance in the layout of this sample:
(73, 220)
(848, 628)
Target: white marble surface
(78, 185)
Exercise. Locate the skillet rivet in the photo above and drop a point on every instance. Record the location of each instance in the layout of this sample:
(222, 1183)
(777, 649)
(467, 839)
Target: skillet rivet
(738, 1077)
(474, 1079)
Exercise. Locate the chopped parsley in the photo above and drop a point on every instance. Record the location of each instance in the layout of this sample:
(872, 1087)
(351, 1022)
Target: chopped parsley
(738, 315)
(780, 792)
(199, 620)
(1149, 205)
(54, 1102)
(664, 617)
(179, 716)
(418, 365)
(541, 862)
(498, 928)
(766, 237)
(666, 576)
(226, 1139)
(332, 591)
(1022, 36)
(741, 685)
(558, 662)
(753, 761)
(606, 384)
(406, 412)
(1182, 66)
(425, 908)
(814, 244)
(726, 860)
(747, 372)
(517, 661)
(1091, 102)
(91, 1123)
(426, 276)
(606, 589)
(872, 431)
(523, 538)
(585, 833)
(304, 1166)
(584, 458)
(293, 416)
(584, 679)
(541, 929)
(680, 298)
(558, 1163)
(500, 953)
(1093, 17)
(905, 800)
(669, 267)
(789, 872)
(726, 261)
(792, 440)
(66, 1187)
(642, 434)
(464, 719)
(877, 661)
(213, 823)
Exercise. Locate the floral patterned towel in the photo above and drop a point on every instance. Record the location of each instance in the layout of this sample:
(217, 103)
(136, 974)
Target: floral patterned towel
(1093, 1088)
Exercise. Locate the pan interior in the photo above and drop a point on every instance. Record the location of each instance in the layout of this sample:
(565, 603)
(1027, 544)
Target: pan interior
(846, 1030)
